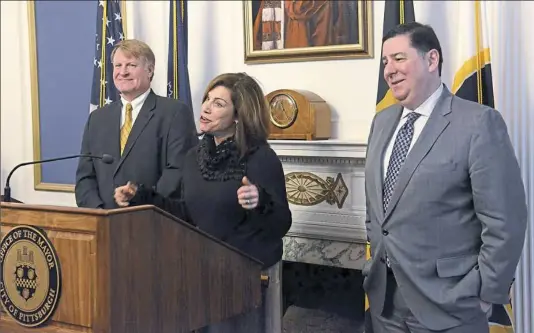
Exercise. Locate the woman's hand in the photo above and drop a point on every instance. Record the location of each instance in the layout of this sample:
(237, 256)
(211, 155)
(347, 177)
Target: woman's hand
(248, 195)
(124, 194)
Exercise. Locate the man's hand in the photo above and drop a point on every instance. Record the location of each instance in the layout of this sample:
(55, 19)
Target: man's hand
(124, 194)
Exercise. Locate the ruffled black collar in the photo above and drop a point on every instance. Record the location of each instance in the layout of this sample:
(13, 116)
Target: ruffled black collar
(220, 162)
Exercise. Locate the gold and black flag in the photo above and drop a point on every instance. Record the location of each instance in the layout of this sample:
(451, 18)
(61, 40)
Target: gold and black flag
(473, 79)
(395, 13)
(471, 62)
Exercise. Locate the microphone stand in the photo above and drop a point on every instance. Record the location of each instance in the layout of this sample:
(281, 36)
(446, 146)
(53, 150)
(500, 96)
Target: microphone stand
(7, 189)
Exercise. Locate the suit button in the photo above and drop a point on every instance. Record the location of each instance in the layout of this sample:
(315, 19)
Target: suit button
(385, 232)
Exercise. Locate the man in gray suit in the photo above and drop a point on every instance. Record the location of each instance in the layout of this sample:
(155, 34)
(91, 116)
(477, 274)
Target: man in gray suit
(147, 135)
(446, 207)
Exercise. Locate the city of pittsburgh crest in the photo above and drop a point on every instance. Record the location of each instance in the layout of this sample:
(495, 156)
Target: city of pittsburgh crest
(30, 278)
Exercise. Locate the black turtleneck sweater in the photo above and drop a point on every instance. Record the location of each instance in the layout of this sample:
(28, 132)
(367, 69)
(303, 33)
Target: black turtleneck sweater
(211, 177)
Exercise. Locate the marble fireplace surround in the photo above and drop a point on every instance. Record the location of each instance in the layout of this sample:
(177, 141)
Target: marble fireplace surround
(325, 184)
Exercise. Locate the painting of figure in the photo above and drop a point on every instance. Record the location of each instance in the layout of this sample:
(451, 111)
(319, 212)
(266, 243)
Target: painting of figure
(306, 29)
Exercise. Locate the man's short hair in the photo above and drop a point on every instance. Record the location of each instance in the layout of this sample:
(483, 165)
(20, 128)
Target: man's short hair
(137, 49)
(422, 38)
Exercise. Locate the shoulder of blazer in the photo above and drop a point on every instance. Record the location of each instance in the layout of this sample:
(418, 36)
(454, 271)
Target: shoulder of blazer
(390, 108)
(169, 107)
(387, 114)
(468, 111)
(106, 110)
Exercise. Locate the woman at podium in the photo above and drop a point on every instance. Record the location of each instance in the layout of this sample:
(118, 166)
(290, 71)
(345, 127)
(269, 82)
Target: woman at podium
(233, 188)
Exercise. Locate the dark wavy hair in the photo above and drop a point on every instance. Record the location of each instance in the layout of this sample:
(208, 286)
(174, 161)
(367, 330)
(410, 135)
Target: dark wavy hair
(250, 107)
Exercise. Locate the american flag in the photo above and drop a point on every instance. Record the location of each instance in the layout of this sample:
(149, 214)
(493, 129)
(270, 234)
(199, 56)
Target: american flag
(109, 32)
(178, 75)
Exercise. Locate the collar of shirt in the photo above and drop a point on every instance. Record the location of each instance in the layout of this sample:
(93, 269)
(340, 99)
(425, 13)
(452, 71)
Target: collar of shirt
(137, 104)
(427, 107)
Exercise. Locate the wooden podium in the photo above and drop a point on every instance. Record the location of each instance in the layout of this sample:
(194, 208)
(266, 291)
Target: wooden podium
(136, 270)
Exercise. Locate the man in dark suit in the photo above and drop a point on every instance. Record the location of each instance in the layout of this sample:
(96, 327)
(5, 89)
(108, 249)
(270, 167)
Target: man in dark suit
(147, 135)
(446, 207)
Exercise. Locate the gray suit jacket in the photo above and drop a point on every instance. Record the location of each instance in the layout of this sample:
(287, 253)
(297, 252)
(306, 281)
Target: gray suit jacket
(455, 225)
(162, 134)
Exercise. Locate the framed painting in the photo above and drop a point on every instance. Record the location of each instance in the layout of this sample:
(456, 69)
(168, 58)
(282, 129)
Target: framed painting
(304, 30)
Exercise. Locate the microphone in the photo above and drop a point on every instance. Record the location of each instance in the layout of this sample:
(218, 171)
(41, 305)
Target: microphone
(108, 159)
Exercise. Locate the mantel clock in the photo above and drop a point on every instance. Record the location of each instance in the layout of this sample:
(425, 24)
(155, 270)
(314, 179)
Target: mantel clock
(298, 115)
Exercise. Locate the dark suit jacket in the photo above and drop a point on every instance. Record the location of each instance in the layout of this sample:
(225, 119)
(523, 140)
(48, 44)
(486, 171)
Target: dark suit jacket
(162, 134)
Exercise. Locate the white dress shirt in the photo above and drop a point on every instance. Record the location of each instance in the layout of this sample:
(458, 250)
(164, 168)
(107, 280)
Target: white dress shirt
(425, 110)
(137, 104)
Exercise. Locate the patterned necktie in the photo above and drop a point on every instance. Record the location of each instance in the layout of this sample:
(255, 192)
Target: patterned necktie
(127, 127)
(398, 156)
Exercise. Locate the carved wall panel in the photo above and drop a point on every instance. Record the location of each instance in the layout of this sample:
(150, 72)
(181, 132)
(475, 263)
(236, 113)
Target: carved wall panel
(307, 189)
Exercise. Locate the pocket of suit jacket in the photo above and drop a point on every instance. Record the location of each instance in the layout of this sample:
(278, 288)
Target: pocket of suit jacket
(456, 266)
(438, 166)
(459, 277)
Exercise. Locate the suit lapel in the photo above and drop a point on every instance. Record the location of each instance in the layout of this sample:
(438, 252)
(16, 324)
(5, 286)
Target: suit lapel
(109, 130)
(391, 120)
(436, 124)
(144, 116)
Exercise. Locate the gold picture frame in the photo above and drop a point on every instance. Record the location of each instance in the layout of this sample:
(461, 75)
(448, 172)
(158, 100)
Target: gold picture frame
(270, 26)
(39, 185)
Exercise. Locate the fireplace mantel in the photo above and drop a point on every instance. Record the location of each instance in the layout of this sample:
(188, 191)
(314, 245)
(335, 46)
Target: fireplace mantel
(325, 184)
(320, 148)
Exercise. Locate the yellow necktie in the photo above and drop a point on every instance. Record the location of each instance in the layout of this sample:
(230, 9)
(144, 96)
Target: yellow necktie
(127, 127)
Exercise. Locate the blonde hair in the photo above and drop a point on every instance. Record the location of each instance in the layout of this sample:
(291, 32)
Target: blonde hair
(250, 107)
(137, 49)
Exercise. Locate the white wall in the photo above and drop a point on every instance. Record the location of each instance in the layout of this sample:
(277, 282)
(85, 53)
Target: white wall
(216, 45)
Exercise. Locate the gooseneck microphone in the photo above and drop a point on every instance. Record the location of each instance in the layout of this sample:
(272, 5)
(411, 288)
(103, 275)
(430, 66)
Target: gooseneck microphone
(108, 159)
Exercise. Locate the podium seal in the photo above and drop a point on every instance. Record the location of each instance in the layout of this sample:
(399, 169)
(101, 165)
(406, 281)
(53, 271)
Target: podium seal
(30, 278)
